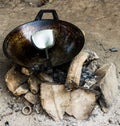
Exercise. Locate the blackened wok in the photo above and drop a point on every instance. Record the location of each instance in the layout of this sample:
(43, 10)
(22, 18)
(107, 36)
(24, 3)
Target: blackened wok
(18, 46)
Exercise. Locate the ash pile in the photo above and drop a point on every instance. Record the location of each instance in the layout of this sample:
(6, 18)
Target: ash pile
(75, 88)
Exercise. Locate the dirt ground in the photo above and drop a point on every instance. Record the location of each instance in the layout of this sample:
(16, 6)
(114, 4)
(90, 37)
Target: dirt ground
(99, 19)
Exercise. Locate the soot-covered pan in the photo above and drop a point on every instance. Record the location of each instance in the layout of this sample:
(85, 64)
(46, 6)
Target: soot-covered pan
(36, 42)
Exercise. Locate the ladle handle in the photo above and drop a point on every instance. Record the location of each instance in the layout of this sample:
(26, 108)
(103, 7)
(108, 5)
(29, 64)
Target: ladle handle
(41, 12)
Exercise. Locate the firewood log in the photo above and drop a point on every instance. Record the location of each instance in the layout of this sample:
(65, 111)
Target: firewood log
(34, 83)
(75, 69)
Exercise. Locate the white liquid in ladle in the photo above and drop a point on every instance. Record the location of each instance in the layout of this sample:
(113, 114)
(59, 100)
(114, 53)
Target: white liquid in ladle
(43, 39)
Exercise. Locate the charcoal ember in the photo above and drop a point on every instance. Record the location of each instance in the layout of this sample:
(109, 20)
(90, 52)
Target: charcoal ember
(86, 73)
(92, 66)
(89, 83)
(59, 76)
(87, 77)
(89, 67)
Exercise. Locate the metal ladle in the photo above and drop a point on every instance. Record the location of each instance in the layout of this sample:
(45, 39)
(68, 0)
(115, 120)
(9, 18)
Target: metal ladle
(43, 40)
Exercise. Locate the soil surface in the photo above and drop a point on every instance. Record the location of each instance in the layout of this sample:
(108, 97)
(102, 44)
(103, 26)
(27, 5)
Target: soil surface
(100, 21)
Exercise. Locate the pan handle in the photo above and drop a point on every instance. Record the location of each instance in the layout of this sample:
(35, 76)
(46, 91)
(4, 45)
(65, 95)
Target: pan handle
(41, 12)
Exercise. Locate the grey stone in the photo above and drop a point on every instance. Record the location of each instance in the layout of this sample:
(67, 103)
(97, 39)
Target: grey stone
(113, 49)
(108, 83)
